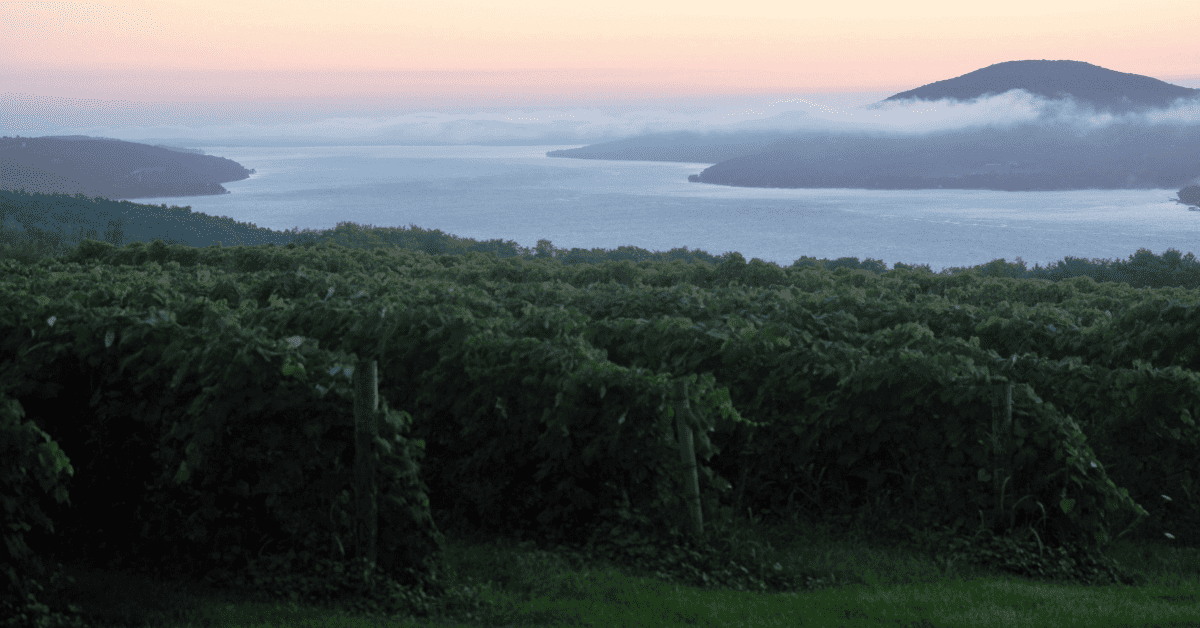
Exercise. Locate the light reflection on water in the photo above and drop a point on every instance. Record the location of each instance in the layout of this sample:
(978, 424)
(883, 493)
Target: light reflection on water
(517, 193)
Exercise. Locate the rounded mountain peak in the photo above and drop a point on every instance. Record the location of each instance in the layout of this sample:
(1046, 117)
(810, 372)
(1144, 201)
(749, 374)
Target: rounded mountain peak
(1103, 89)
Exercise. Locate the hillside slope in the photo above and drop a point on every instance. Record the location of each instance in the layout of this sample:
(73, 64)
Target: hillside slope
(112, 169)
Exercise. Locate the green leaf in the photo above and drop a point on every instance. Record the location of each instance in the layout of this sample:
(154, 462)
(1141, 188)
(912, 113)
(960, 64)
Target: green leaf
(291, 367)
(182, 474)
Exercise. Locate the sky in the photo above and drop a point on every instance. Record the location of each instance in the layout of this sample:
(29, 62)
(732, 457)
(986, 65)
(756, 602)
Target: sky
(540, 71)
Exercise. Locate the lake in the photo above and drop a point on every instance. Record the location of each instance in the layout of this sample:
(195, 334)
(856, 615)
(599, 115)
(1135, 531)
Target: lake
(517, 193)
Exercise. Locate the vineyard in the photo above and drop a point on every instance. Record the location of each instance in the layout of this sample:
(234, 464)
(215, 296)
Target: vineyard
(554, 400)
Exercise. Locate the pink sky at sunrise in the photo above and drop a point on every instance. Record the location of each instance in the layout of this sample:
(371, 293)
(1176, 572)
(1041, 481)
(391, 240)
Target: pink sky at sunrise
(466, 71)
(171, 50)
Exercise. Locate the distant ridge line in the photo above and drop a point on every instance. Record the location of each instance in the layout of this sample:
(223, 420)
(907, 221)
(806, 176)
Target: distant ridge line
(1103, 89)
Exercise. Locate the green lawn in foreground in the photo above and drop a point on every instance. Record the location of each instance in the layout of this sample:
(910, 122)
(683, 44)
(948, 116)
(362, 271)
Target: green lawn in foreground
(842, 579)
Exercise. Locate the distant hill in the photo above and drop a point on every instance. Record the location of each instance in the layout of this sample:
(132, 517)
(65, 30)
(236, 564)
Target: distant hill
(1105, 90)
(1031, 156)
(111, 169)
(715, 146)
(682, 146)
(1026, 158)
(194, 151)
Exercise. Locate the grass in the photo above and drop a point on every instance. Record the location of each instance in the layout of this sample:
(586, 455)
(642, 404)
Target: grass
(801, 573)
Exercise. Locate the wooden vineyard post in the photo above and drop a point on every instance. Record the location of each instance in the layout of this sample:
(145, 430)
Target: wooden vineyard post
(366, 427)
(1002, 425)
(687, 454)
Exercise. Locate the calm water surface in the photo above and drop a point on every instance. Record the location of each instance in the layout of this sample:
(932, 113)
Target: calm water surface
(517, 193)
